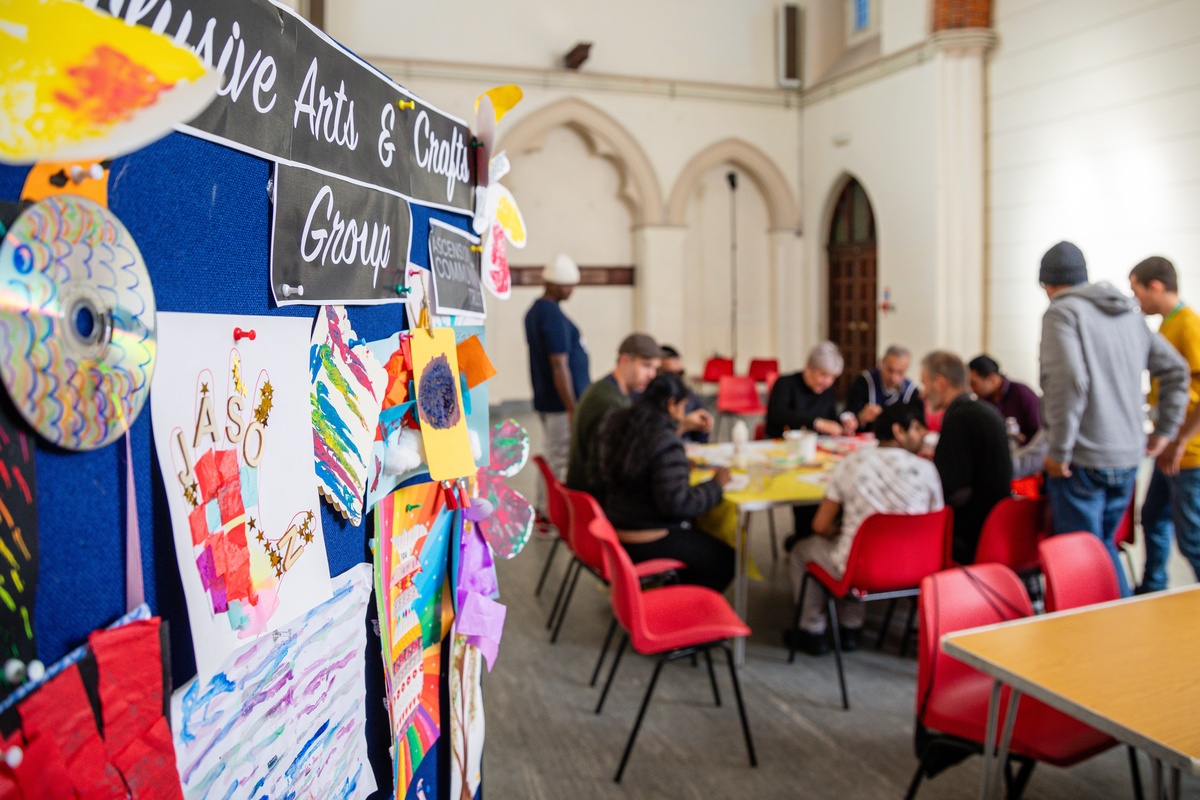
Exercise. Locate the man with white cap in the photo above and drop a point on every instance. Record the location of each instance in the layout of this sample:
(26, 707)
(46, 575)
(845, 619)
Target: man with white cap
(558, 362)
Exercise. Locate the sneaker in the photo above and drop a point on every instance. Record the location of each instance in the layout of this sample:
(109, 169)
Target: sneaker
(814, 644)
(849, 638)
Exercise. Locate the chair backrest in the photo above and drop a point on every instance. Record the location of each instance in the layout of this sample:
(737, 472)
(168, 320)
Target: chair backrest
(556, 503)
(760, 430)
(954, 600)
(895, 551)
(618, 567)
(1126, 533)
(735, 392)
(582, 538)
(1011, 533)
(716, 367)
(1079, 571)
(762, 368)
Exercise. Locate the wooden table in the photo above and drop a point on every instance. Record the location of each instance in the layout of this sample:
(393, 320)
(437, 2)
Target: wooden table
(1129, 668)
(779, 486)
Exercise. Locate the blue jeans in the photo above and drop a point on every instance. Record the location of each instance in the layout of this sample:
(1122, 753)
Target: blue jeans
(1093, 500)
(1172, 504)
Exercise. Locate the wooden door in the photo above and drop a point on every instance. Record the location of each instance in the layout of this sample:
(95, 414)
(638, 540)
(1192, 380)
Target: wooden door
(852, 286)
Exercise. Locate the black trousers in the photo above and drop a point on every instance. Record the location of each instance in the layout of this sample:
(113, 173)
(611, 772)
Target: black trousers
(709, 561)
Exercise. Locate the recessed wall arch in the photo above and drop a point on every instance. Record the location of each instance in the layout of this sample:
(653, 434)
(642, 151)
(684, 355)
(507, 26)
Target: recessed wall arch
(781, 203)
(606, 138)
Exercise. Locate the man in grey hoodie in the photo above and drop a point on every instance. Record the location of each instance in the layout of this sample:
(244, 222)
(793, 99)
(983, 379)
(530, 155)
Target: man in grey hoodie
(1095, 344)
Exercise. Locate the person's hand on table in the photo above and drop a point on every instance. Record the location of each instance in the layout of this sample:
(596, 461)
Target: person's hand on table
(722, 476)
(869, 413)
(699, 421)
(827, 427)
(849, 423)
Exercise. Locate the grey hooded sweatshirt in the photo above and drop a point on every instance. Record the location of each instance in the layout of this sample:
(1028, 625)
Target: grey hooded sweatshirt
(1095, 344)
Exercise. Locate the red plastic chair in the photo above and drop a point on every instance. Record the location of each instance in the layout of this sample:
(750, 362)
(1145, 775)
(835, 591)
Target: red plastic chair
(761, 369)
(1079, 571)
(737, 395)
(587, 555)
(952, 698)
(1011, 533)
(1125, 536)
(716, 368)
(556, 508)
(889, 557)
(670, 622)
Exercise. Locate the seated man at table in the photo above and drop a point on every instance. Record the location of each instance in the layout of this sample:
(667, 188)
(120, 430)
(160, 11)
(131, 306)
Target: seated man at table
(1017, 403)
(972, 454)
(806, 400)
(881, 386)
(888, 479)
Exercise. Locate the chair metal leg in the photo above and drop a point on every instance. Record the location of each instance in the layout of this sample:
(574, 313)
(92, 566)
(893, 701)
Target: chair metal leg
(562, 613)
(562, 589)
(909, 627)
(916, 781)
(712, 676)
(887, 623)
(737, 693)
(1135, 773)
(796, 617)
(837, 649)
(612, 672)
(546, 569)
(612, 630)
(637, 725)
(774, 538)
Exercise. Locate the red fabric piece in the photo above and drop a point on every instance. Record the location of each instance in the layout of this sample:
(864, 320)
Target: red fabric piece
(136, 734)
(60, 712)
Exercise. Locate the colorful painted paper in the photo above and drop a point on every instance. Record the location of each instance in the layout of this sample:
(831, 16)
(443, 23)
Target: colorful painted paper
(507, 227)
(229, 421)
(80, 84)
(64, 754)
(412, 536)
(285, 716)
(18, 542)
(440, 404)
(510, 524)
(348, 385)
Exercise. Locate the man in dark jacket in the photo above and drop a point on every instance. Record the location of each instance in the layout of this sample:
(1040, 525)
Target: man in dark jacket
(972, 455)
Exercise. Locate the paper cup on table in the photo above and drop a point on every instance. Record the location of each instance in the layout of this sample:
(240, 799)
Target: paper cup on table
(805, 444)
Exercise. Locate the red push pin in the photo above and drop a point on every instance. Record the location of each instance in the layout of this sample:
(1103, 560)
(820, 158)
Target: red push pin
(239, 334)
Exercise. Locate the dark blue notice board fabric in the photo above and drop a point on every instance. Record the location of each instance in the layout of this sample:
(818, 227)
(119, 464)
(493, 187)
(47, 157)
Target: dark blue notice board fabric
(201, 216)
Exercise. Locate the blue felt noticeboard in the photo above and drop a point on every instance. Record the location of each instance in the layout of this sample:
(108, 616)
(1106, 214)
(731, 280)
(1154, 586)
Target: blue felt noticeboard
(201, 216)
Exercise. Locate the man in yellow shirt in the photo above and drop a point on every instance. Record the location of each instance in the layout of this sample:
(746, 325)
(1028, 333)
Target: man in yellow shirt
(1173, 499)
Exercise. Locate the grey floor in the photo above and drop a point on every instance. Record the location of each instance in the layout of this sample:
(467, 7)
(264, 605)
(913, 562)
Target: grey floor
(544, 741)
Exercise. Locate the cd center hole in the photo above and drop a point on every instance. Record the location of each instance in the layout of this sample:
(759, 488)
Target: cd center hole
(85, 322)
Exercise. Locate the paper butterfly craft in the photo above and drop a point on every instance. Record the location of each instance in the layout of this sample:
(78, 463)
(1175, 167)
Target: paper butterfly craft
(497, 218)
(348, 385)
(510, 524)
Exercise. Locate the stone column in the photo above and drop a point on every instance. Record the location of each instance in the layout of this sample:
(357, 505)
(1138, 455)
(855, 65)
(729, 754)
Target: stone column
(793, 323)
(961, 266)
(658, 282)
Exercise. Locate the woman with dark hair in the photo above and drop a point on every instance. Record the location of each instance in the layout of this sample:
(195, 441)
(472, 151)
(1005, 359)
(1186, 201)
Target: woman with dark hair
(647, 495)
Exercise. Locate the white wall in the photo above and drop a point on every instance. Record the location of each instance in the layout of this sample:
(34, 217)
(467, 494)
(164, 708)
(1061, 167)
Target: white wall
(703, 40)
(569, 199)
(889, 136)
(1094, 137)
(708, 289)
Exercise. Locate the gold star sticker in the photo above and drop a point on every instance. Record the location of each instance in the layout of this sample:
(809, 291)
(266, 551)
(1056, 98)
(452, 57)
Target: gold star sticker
(204, 388)
(275, 559)
(307, 536)
(189, 492)
(237, 378)
(261, 537)
(251, 524)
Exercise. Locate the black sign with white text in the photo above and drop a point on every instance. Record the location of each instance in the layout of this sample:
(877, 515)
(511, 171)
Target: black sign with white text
(454, 265)
(291, 94)
(335, 241)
